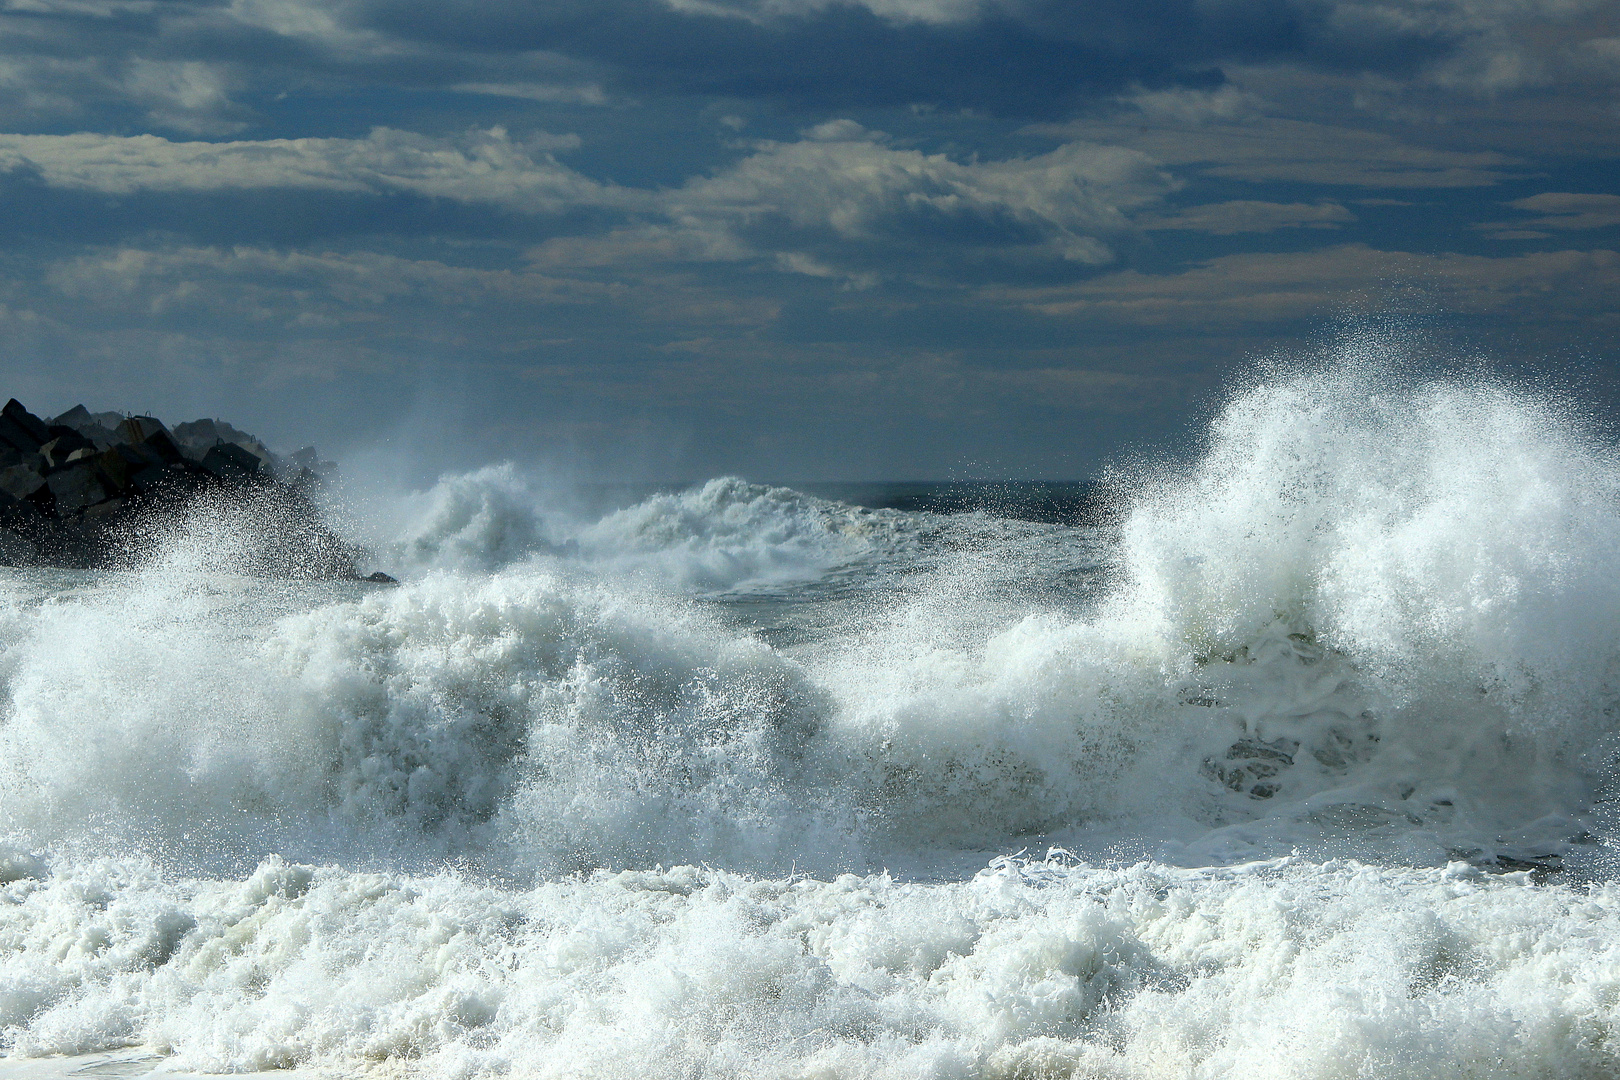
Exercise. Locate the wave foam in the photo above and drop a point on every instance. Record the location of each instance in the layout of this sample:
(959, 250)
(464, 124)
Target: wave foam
(1283, 970)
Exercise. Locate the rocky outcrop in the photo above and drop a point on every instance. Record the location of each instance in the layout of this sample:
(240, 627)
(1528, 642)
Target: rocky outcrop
(88, 490)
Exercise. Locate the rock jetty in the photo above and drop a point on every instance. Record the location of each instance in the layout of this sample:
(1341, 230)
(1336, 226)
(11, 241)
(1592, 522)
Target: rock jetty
(92, 490)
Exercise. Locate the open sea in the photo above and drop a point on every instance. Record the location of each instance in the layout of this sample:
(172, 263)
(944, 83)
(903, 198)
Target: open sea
(1296, 760)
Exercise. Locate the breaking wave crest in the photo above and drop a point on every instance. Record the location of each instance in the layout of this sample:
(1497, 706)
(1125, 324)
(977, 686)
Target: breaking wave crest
(1373, 613)
(718, 536)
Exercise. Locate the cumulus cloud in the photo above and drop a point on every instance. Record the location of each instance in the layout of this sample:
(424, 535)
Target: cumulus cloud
(806, 206)
(847, 184)
(192, 96)
(642, 245)
(844, 203)
(817, 206)
(483, 166)
(1191, 106)
(186, 95)
(1601, 53)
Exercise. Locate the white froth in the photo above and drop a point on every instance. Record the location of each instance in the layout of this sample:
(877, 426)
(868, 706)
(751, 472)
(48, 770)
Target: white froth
(475, 521)
(1279, 970)
(722, 535)
(730, 533)
(523, 708)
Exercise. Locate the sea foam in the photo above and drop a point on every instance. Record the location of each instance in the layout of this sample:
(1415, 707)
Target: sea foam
(1027, 969)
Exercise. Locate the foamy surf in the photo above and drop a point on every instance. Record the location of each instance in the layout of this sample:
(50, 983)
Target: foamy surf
(709, 785)
(1044, 968)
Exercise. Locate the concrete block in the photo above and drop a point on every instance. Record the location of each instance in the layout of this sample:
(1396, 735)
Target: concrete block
(35, 428)
(58, 450)
(76, 487)
(20, 481)
(231, 463)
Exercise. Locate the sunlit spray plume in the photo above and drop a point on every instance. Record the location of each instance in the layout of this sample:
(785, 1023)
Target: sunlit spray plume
(1376, 602)
(1378, 609)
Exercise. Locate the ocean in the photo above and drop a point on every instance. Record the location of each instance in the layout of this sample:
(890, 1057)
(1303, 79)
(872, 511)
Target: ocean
(1294, 759)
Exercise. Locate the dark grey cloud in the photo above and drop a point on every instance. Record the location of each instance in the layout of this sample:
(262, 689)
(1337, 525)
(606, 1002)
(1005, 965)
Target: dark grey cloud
(803, 236)
(198, 66)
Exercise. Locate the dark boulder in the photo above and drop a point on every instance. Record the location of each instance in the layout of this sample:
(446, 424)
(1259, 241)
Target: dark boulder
(78, 486)
(104, 512)
(75, 418)
(232, 464)
(33, 425)
(307, 460)
(17, 514)
(119, 464)
(98, 489)
(99, 428)
(147, 434)
(135, 429)
(58, 450)
(178, 480)
(25, 484)
(197, 437)
(21, 429)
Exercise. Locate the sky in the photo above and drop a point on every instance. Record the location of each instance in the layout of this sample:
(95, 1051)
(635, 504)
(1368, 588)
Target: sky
(659, 240)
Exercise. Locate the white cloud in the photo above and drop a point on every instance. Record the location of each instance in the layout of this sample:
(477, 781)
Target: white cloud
(1603, 54)
(363, 296)
(1243, 215)
(308, 288)
(848, 184)
(586, 94)
(934, 12)
(1273, 149)
(807, 207)
(1561, 210)
(1261, 287)
(794, 205)
(192, 96)
(186, 95)
(1571, 210)
(102, 9)
(641, 245)
(320, 24)
(1226, 103)
(484, 166)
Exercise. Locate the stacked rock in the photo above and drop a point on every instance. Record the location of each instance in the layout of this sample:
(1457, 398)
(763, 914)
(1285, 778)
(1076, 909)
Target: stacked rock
(79, 490)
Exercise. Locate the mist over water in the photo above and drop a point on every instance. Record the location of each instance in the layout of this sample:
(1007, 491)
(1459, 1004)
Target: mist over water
(745, 780)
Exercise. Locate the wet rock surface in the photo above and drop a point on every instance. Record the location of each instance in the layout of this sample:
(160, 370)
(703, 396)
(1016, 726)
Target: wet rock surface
(94, 490)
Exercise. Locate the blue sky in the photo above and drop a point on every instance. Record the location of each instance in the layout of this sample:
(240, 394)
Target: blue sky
(793, 239)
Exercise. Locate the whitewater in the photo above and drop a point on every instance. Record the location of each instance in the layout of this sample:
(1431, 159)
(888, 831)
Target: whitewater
(1294, 759)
